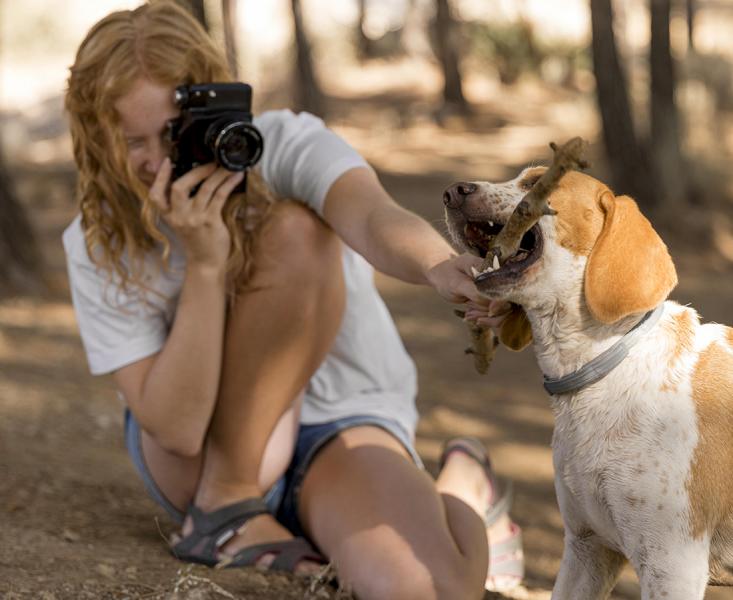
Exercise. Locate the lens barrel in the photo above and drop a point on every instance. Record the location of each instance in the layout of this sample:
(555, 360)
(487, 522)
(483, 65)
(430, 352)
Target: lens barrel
(236, 145)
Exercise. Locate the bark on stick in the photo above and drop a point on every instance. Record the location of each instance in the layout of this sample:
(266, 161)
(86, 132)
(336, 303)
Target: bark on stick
(483, 344)
(534, 204)
(529, 210)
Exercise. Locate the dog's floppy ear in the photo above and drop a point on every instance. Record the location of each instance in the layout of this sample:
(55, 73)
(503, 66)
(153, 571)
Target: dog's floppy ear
(515, 332)
(629, 269)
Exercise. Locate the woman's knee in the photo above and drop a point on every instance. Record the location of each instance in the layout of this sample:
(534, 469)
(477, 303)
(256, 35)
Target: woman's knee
(407, 578)
(295, 238)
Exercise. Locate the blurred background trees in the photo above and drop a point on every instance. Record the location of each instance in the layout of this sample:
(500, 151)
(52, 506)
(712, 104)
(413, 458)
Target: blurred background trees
(640, 78)
(20, 259)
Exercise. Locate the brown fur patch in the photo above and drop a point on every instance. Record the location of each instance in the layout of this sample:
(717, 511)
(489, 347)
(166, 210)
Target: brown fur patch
(710, 486)
(729, 336)
(682, 333)
(579, 219)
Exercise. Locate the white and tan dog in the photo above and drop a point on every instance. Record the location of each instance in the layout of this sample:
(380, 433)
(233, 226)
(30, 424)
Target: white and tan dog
(643, 456)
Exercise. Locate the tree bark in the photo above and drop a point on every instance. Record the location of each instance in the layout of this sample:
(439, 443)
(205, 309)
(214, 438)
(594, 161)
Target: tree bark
(448, 55)
(308, 95)
(364, 44)
(630, 170)
(691, 7)
(20, 259)
(665, 127)
(229, 19)
(197, 9)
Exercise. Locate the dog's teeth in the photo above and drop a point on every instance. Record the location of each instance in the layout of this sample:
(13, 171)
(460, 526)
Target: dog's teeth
(491, 223)
(495, 264)
(475, 272)
(489, 270)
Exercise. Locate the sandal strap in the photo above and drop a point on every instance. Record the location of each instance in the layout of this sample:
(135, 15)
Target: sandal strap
(507, 547)
(211, 530)
(505, 492)
(288, 554)
(507, 558)
(209, 522)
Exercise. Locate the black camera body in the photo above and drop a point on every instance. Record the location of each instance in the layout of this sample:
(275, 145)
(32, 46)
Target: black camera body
(215, 125)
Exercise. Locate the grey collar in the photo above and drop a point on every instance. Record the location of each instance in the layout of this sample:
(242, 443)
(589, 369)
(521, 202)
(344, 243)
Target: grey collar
(605, 362)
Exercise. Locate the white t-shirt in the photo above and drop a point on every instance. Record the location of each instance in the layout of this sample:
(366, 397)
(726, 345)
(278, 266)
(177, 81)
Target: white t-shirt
(366, 372)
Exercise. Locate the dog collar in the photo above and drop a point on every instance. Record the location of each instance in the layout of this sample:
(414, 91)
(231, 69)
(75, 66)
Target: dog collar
(605, 362)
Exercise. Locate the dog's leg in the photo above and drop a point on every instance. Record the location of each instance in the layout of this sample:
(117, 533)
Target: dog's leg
(589, 569)
(672, 570)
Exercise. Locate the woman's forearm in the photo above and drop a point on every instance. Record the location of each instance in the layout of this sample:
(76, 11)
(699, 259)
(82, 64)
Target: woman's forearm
(179, 392)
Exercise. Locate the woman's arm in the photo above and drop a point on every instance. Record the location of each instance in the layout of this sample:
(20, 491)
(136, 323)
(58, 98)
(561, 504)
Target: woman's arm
(395, 240)
(173, 393)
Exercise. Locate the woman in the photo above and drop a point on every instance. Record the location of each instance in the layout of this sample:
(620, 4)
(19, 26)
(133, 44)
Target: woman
(267, 392)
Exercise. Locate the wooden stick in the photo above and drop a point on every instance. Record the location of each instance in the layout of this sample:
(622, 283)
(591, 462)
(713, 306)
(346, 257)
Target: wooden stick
(534, 204)
(506, 244)
(483, 344)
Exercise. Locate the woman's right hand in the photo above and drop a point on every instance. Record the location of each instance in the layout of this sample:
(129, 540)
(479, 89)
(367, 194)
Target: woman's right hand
(197, 219)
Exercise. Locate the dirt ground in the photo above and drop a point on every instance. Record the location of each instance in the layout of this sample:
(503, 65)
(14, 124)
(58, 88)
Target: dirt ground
(75, 522)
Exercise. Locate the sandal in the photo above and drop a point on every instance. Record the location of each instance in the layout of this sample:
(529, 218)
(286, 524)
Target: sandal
(506, 558)
(213, 529)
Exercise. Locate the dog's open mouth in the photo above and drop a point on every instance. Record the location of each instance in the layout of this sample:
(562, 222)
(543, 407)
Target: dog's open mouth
(479, 235)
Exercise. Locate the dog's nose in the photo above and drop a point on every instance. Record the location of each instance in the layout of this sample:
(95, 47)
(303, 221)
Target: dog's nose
(455, 195)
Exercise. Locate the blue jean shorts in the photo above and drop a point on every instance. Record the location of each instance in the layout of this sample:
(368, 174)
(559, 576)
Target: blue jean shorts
(282, 497)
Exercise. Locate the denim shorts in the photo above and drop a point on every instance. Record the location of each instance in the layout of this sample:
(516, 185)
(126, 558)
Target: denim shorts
(282, 497)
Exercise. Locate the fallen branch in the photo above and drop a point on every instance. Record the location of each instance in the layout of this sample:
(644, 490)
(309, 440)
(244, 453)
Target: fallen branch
(506, 244)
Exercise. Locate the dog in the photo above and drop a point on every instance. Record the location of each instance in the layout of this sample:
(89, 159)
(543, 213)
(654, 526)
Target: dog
(643, 438)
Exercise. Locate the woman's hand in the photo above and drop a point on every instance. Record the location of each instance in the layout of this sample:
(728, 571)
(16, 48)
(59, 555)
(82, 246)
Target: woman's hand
(492, 315)
(453, 280)
(197, 219)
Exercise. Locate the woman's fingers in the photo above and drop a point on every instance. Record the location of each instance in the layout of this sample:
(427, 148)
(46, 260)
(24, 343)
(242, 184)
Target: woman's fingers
(492, 316)
(224, 190)
(180, 196)
(200, 200)
(159, 190)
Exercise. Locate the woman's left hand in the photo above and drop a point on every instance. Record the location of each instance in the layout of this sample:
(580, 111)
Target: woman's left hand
(492, 315)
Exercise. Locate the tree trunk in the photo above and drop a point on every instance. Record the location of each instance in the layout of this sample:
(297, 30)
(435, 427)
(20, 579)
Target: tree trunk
(20, 260)
(665, 128)
(308, 95)
(364, 44)
(197, 9)
(229, 19)
(628, 159)
(691, 6)
(448, 55)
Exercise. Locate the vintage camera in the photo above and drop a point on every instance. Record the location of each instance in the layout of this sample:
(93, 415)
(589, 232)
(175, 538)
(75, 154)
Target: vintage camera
(215, 125)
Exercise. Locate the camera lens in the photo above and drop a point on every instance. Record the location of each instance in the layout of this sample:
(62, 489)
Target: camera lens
(237, 145)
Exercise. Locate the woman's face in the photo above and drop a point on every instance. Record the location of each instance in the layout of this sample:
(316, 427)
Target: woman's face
(144, 111)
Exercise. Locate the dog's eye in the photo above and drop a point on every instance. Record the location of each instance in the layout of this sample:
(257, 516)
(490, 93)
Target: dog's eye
(528, 182)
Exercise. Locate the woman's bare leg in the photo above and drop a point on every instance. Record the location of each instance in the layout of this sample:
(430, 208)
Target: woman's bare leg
(382, 521)
(277, 335)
